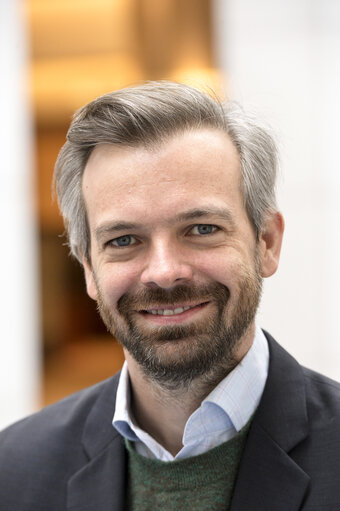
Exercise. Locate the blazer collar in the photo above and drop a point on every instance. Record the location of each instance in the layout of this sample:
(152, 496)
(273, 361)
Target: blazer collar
(100, 483)
(98, 431)
(283, 409)
(268, 477)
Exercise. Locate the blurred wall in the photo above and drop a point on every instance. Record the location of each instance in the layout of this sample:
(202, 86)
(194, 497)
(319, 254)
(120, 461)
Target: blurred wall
(80, 49)
(19, 346)
(282, 59)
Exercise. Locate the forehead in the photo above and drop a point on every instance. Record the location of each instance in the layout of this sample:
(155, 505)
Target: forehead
(186, 169)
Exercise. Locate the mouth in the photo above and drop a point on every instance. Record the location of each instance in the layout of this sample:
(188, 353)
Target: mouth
(172, 312)
(169, 311)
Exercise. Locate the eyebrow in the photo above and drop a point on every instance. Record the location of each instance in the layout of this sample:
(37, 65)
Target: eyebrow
(191, 214)
(112, 227)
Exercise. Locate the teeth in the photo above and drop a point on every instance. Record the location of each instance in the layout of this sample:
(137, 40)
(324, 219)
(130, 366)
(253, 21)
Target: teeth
(169, 312)
(178, 310)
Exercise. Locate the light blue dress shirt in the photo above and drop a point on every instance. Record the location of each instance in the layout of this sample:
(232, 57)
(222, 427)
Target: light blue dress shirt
(220, 416)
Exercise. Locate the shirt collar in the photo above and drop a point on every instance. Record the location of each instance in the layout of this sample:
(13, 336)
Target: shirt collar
(234, 399)
(122, 420)
(237, 396)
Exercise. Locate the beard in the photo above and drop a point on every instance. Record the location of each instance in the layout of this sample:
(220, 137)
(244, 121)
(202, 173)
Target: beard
(174, 356)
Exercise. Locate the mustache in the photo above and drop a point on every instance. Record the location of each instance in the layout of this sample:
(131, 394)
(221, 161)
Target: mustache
(155, 297)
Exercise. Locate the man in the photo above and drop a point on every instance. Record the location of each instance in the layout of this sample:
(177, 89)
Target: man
(168, 198)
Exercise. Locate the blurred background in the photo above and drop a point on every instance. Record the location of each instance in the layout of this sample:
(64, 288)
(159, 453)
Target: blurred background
(279, 58)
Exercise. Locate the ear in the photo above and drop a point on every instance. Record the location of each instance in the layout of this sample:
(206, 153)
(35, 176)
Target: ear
(89, 278)
(270, 243)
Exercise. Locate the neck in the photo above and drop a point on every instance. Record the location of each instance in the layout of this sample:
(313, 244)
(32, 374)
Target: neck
(163, 412)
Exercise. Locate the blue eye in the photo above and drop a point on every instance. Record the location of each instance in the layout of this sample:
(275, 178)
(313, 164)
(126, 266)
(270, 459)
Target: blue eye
(123, 241)
(204, 229)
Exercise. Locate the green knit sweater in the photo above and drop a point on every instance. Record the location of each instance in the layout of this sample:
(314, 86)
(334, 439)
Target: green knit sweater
(199, 483)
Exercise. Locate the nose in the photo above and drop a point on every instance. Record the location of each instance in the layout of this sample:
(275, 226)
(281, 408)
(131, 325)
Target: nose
(165, 266)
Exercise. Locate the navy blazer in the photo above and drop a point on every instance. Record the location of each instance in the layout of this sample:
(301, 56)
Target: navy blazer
(68, 457)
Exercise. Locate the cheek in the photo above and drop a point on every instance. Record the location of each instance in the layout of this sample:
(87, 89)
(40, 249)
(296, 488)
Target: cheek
(219, 267)
(116, 280)
(226, 268)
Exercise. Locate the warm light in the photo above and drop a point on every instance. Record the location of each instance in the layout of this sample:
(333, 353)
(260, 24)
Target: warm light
(60, 86)
(205, 78)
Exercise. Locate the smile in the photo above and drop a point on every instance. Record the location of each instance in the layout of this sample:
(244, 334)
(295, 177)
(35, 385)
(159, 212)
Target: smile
(169, 312)
(172, 311)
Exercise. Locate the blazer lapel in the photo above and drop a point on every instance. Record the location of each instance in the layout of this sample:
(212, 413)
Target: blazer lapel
(268, 477)
(100, 483)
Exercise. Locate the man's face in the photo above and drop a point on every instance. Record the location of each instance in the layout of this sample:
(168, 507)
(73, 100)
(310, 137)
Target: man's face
(174, 263)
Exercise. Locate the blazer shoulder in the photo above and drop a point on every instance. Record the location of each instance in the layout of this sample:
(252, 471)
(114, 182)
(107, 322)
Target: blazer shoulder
(64, 417)
(321, 380)
(311, 399)
(323, 395)
(49, 445)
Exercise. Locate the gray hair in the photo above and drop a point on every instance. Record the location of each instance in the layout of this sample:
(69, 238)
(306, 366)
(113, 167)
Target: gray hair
(149, 114)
